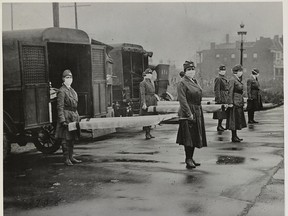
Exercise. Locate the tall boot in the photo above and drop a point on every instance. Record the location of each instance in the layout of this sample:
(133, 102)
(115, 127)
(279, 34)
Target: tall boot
(250, 116)
(65, 150)
(234, 136)
(188, 159)
(192, 153)
(219, 127)
(71, 156)
(147, 132)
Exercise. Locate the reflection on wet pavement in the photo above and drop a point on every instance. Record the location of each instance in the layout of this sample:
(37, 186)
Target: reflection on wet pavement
(251, 127)
(232, 149)
(224, 159)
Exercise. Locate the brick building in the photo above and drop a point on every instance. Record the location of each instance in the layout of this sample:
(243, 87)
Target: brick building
(266, 54)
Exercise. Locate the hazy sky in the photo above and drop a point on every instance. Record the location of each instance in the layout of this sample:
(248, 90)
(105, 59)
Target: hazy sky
(171, 30)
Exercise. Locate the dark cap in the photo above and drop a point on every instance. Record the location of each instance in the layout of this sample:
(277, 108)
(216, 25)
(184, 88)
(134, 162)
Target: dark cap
(66, 73)
(222, 67)
(188, 64)
(147, 71)
(255, 71)
(237, 68)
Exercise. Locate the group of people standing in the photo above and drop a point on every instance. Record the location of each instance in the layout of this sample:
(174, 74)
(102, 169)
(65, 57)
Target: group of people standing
(191, 133)
(228, 93)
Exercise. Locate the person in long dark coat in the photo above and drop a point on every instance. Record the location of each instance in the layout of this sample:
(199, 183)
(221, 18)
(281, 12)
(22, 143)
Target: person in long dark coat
(235, 112)
(67, 101)
(147, 98)
(221, 96)
(254, 102)
(191, 132)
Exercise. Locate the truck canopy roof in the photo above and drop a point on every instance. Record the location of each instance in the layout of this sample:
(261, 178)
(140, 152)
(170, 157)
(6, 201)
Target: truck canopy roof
(60, 35)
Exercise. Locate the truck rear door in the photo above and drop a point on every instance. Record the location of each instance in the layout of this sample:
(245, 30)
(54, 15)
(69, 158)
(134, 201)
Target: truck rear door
(98, 80)
(35, 87)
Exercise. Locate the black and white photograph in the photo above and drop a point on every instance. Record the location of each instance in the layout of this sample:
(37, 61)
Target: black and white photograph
(143, 108)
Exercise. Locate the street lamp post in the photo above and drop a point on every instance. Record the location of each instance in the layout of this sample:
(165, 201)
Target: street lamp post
(241, 32)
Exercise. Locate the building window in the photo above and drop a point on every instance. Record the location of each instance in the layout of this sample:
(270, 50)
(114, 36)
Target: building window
(217, 55)
(255, 55)
(245, 55)
(233, 56)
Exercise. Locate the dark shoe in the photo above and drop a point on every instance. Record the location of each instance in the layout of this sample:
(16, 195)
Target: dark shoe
(234, 139)
(68, 162)
(190, 164)
(220, 128)
(196, 164)
(151, 136)
(250, 122)
(147, 137)
(74, 160)
(239, 138)
(255, 122)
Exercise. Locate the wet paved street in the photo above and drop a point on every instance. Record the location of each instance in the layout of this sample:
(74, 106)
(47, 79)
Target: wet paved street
(127, 175)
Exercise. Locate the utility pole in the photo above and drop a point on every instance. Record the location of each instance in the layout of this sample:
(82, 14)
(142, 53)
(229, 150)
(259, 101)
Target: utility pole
(241, 32)
(76, 19)
(55, 14)
(75, 12)
(11, 4)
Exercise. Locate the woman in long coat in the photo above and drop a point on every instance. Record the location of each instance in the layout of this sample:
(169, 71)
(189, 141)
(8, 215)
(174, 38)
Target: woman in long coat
(147, 98)
(67, 101)
(254, 102)
(221, 95)
(235, 112)
(191, 132)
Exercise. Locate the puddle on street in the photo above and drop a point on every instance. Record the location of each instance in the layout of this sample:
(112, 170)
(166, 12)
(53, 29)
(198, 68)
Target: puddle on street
(192, 179)
(149, 153)
(232, 149)
(224, 159)
(129, 160)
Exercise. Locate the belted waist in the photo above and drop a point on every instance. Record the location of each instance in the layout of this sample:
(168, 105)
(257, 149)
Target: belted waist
(238, 91)
(70, 109)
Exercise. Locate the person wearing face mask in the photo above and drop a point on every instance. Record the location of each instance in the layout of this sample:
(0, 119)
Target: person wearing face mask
(191, 132)
(221, 96)
(235, 112)
(147, 98)
(67, 101)
(254, 102)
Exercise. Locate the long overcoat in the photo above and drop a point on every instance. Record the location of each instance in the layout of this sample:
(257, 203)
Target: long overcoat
(254, 101)
(221, 85)
(67, 101)
(147, 95)
(190, 133)
(235, 115)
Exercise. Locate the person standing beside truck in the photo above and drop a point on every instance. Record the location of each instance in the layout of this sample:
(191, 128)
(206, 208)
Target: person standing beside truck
(67, 101)
(147, 98)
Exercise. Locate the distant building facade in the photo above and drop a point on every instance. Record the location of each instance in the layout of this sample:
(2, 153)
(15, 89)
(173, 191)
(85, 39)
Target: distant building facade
(266, 54)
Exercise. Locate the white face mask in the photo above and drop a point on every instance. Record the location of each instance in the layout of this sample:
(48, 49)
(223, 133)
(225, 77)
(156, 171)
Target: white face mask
(190, 73)
(148, 76)
(222, 72)
(239, 73)
(68, 81)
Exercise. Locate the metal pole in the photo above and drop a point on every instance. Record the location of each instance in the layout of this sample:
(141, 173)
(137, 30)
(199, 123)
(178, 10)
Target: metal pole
(241, 51)
(76, 22)
(55, 14)
(12, 16)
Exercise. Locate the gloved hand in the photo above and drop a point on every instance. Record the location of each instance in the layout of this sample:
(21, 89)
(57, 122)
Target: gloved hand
(144, 107)
(230, 105)
(64, 124)
(191, 119)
